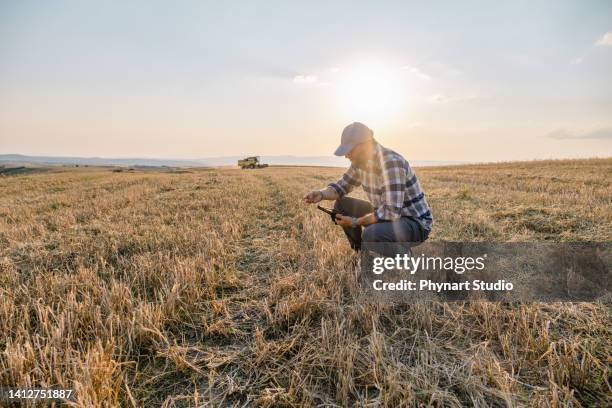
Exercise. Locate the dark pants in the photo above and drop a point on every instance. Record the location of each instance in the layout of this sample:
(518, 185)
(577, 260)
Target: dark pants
(404, 229)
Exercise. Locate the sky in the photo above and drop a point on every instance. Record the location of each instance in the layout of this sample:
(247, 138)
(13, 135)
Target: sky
(464, 81)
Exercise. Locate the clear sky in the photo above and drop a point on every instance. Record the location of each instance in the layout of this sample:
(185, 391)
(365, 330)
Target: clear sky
(469, 80)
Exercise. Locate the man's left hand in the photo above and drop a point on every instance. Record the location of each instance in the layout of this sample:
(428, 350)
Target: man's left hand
(344, 221)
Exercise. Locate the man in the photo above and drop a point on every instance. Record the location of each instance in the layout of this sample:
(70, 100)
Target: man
(397, 210)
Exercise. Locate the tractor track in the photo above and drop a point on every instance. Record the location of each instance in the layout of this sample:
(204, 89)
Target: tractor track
(256, 264)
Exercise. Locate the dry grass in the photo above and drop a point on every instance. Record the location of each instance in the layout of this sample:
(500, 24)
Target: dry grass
(220, 288)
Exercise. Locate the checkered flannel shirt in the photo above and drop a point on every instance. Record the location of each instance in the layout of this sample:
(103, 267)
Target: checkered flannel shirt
(391, 186)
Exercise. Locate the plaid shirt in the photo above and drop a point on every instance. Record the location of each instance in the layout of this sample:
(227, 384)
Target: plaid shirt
(391, 186)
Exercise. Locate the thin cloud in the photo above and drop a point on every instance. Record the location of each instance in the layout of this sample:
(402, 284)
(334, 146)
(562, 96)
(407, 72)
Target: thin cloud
(305, 79)
(605, 40)
(439, 98)
(562, 134)
(417, 72)
(578, 60)
(443, 69)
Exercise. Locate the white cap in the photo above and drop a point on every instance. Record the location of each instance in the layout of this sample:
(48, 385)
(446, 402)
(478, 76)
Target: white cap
(352, 135)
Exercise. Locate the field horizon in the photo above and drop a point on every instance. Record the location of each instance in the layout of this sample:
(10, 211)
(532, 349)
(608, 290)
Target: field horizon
(200, 287)
(16, 160)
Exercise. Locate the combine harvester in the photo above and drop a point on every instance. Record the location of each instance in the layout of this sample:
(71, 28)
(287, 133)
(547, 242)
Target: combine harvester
(251, 163)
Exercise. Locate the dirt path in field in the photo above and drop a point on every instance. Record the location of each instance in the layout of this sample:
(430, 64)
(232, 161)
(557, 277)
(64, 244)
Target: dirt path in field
(257, 265)
(265, 227)
(229, 336)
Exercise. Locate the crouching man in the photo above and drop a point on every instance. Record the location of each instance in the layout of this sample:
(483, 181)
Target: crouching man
(396, 211)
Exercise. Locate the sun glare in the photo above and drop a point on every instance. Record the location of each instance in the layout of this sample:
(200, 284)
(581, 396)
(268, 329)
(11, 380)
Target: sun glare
(369, 93)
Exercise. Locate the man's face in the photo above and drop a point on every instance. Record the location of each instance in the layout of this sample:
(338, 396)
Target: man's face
(358, 155)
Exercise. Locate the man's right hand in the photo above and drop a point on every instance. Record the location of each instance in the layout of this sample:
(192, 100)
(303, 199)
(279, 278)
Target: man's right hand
(313, 197)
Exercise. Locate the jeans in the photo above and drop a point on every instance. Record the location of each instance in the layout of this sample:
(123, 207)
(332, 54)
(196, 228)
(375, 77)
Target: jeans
(404, 229)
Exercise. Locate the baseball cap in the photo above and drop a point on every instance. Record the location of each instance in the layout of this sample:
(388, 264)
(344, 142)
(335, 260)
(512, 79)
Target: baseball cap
(352, 135)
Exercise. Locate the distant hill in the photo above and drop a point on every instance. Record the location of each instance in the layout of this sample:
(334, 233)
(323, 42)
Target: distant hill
(330, 161)
(95, 161)
(20, 170)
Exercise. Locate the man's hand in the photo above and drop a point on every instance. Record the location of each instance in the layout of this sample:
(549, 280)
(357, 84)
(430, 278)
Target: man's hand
(313, 197)
(367, 219)
(344, 221)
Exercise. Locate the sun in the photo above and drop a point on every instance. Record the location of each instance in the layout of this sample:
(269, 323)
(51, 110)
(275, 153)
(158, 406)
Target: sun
(369, 93)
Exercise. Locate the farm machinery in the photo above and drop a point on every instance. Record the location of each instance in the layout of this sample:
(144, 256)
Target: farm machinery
(252, 162)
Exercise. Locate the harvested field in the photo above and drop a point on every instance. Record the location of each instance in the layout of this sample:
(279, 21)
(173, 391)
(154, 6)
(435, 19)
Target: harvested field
(220, 288)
